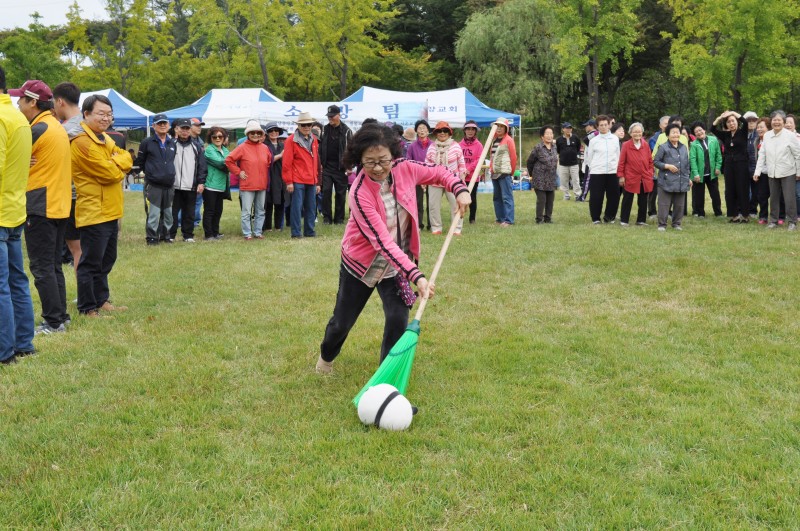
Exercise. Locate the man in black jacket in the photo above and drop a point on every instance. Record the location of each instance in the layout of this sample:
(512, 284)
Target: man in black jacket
(332, 145)
(157, 159)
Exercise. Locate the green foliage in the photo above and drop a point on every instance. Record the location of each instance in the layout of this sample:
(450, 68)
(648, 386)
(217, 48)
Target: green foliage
(508, 59)
(33, 53)
(739, 53)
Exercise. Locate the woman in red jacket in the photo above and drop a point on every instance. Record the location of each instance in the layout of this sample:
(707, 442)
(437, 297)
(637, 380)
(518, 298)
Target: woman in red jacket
(635, 172)
(380, 247)
(301, 175)
(250, 161)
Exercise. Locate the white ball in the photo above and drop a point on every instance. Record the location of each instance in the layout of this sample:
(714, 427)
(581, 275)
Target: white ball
(396, 414)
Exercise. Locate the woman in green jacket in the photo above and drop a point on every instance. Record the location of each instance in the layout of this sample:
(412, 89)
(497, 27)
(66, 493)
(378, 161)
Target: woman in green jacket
(217, 182)
(705, 159)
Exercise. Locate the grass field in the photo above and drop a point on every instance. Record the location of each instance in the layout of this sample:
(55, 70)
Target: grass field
(567, 375)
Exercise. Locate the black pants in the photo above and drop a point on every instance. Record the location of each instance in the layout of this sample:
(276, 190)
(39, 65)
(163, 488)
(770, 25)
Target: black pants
(473, 207)
(212, 212)
(737, 188)
(350, 300)
(423, 207)
(183, 205)
(98, 255)
(333, 181)
(273, 213)
(603, 185)
(652, 200)
(544, 205)
(44, 238)
(641, 203)
(699, 197)
(753, 196)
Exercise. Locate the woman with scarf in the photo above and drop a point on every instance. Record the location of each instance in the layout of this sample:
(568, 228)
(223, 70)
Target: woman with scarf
(380, 247)
(472, 148)
(417, 150)
(444, 152)
(276, 193)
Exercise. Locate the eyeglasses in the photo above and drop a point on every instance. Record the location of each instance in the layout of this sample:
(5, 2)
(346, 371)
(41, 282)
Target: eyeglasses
(305, 125)
(104, 116)
(372, 163)
(217, 137)
(256, 133)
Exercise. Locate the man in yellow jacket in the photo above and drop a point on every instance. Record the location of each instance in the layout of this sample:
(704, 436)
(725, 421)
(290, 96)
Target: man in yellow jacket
(49, 199)
(16, 307)
(98, 169)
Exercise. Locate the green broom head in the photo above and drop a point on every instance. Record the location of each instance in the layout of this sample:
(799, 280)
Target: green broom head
(396, 367)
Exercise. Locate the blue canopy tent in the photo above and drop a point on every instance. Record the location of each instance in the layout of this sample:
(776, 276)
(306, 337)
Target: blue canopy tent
(228, 108)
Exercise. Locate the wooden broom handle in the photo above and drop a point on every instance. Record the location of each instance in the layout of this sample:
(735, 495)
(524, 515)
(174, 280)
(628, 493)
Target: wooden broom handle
(454, 223)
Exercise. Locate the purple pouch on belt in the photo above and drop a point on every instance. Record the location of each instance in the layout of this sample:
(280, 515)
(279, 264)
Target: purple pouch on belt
(404, 290)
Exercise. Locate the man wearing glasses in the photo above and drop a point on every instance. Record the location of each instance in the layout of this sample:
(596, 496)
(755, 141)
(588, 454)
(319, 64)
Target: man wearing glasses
(301, 174)
(98, 168)
(157, 159)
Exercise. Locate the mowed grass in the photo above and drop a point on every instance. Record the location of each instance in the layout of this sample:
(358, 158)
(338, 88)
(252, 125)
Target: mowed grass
(567, 375)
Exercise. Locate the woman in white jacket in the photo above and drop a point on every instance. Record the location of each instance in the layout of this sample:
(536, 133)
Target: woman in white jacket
(601, 158)
(779, 157)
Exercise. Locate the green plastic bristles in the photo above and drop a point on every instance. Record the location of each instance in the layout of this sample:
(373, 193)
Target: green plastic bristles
(396, 367)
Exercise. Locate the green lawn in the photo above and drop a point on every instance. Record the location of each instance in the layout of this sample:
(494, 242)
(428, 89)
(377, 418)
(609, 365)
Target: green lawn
(567, 375)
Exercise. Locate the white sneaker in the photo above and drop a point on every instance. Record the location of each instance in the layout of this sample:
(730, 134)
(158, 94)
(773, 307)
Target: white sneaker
(662, 229)
(771, 226)
(623, 224)
(792, 226)
(566, 197)
(678, 228)
(189, 240)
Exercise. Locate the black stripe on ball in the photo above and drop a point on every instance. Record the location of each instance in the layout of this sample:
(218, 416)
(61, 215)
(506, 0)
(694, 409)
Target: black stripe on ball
(381, 409)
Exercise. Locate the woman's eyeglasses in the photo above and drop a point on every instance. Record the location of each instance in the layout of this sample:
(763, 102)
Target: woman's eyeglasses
(256, 133)
(217, 137)
(372, 163)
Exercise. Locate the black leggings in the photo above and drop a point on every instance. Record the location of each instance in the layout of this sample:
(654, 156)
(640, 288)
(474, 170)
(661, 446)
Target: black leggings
(350, 300)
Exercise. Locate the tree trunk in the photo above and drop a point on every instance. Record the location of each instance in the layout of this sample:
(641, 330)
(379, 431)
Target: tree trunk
(737, 83)
(262, 63)
(345, 67)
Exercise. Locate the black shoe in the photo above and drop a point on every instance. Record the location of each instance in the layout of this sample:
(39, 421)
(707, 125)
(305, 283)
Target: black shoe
(472, 222)
(13, 359)
(152, 241)
(23, 353)
(414, 410)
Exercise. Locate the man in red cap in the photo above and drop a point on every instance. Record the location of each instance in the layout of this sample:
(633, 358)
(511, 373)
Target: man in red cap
(49, 199)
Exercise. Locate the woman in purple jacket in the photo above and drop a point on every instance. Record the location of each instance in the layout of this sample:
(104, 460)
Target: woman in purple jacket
(380, 248)
(417, 150)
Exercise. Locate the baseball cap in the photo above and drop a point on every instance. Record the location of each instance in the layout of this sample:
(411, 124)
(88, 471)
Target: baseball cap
(750, 115)
(566, 125)
(590, 121)
(34, 89)
(196, 121)
(182, 122)
(333, 110)
(160, 118)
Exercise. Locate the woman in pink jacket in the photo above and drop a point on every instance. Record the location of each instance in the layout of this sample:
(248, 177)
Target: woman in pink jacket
(472, 149)
(444, 152)
(380, 247)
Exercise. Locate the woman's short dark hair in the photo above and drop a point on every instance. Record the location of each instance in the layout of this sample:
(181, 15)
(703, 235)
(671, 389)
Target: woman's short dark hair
(213, 131)
(670, 127)
(544, 129)
(695, 125)
(369, 137)
(767, 122)
(676, 118)
(368, 121)
(398, 129)
(89, 103)
(421, 122)
(616, 127)
(602, 118)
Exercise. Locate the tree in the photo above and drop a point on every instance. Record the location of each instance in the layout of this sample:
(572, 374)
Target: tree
(120, 49)
(519, 69)
(34, 53)
(346, 33)
(593, 35)
(737, 52)
(259, 25)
